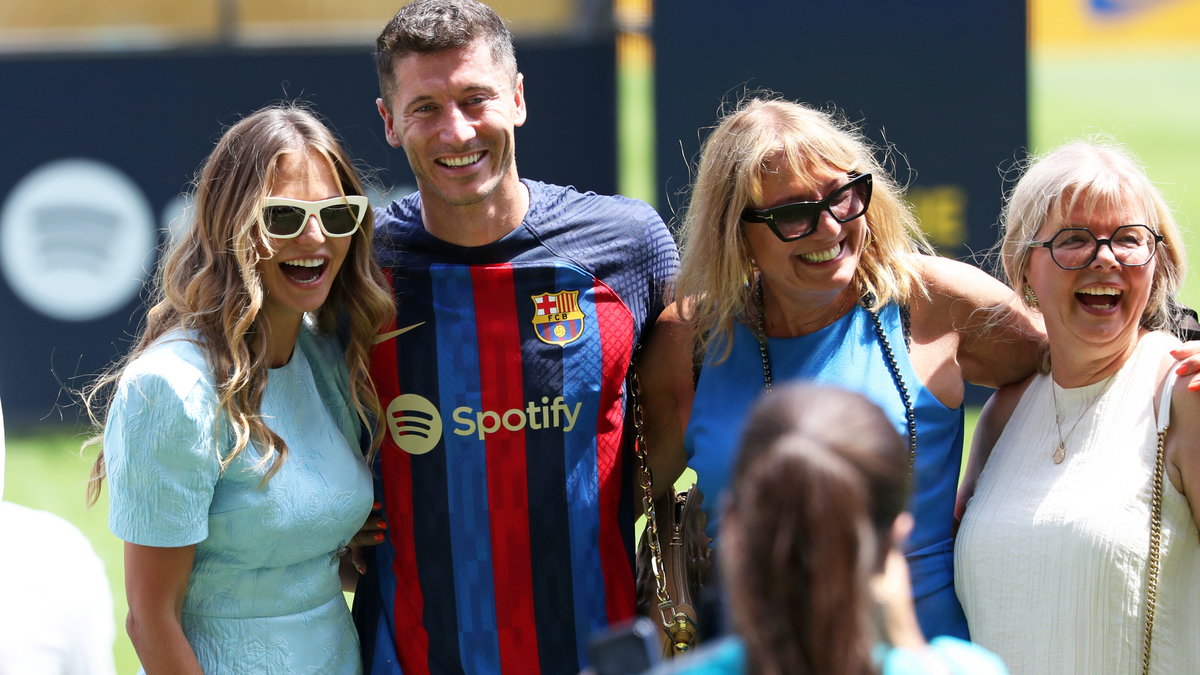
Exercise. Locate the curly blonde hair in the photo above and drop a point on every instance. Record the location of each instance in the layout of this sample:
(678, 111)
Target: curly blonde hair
(209, 284)
(715, 268)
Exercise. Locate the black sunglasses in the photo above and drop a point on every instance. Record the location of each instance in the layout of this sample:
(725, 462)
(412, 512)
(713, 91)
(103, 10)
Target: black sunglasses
(795, 221)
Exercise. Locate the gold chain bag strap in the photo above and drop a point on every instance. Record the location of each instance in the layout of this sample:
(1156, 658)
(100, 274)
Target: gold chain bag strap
(669, 579)
(1156, 494)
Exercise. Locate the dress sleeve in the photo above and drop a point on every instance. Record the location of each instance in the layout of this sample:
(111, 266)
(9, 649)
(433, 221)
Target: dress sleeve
(161, 458)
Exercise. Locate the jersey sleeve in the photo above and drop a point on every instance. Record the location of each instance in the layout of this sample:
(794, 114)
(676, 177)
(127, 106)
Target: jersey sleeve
(663, 265)
(161, 458)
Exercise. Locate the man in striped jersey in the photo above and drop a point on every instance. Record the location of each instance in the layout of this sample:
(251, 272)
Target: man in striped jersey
(505, 475)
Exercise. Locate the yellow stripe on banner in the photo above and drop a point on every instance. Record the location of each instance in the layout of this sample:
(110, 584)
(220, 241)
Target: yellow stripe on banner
(1131, 23)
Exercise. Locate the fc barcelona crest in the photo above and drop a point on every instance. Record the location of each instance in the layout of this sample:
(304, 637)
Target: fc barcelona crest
(557, 319)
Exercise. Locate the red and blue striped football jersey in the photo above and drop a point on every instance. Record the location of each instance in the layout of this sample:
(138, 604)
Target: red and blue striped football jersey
(505, 471)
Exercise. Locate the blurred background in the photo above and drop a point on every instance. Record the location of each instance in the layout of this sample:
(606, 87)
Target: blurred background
(111, 107)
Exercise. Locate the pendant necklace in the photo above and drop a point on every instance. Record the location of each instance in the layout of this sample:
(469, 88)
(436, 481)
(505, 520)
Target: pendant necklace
(1060, 453)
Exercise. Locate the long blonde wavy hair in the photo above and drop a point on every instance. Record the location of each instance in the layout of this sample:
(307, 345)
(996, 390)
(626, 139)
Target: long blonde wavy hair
(714, 282)
(209, 283)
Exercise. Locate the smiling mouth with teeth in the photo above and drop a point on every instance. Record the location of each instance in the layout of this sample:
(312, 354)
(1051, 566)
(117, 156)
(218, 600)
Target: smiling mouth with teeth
(1099, 297)
(455, 162)
(822, 256)
(304, 270)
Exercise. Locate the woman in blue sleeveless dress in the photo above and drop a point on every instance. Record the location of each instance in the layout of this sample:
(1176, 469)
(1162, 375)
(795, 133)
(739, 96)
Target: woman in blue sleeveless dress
(231, 439)
(801, 260)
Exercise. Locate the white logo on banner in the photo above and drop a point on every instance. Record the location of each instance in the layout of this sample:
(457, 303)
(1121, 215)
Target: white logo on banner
(77, 239)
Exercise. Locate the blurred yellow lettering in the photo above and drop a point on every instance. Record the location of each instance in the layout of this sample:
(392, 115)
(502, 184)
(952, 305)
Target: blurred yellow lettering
(941, 211)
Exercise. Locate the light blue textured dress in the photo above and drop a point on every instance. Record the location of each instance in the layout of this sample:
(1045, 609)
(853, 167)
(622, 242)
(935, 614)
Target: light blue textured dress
(264, 594)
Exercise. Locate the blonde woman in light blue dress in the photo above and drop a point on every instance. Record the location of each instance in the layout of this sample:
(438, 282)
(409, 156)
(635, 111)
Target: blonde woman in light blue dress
(232, 436)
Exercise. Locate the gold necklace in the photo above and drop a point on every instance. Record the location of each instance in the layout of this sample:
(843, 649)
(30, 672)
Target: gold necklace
(1060, 453)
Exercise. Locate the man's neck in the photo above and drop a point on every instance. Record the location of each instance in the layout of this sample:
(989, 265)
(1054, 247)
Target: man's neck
(481, 223)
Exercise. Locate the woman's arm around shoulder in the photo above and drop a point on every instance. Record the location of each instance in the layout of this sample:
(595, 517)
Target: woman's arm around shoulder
(999, 339)
(992, 419)
(156, 582)
(1183, 444)
(664, 372)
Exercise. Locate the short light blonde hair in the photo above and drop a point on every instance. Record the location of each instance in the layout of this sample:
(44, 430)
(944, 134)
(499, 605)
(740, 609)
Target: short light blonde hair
(715, 271)
(1097, 176)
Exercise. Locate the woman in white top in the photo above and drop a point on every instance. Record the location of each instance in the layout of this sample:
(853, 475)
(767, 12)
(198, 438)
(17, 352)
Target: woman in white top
(1052, 556)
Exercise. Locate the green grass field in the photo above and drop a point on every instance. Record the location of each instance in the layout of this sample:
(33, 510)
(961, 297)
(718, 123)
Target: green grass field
(1140, 98)
(47, 471)
(1144, 98)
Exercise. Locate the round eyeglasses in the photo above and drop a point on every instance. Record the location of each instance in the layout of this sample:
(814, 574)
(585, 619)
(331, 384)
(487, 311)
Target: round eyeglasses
(1074, 248)
(795, 221)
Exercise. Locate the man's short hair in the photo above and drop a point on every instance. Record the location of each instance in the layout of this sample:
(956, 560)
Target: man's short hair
(427, 26)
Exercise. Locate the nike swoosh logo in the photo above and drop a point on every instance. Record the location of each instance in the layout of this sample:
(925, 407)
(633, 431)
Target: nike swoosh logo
(384, 337)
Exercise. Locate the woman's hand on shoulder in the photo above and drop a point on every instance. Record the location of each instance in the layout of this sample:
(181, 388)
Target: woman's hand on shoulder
(1189, 363)
(1000, 340)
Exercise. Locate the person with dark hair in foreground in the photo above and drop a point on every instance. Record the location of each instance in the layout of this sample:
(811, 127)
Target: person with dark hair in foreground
(812, 526)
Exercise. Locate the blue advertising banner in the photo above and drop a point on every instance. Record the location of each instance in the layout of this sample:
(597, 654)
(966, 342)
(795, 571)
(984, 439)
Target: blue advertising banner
(100, 149)
(940, 84)
(943, 82)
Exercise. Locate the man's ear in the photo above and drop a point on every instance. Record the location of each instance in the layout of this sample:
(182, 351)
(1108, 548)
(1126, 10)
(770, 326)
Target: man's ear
(519, 100)
(389, 126)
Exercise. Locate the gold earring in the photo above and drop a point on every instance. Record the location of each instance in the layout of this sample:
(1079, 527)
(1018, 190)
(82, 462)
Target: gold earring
(1030, 297)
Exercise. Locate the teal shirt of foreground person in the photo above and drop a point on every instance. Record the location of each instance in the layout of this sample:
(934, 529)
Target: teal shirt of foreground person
(728, 657)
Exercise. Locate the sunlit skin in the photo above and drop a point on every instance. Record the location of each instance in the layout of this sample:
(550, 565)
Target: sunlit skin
(1092, 332)
(454, 113)
(290, 289)
(802, 292)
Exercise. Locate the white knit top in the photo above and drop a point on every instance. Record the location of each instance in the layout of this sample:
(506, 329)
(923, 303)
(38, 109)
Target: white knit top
(1050, 562)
